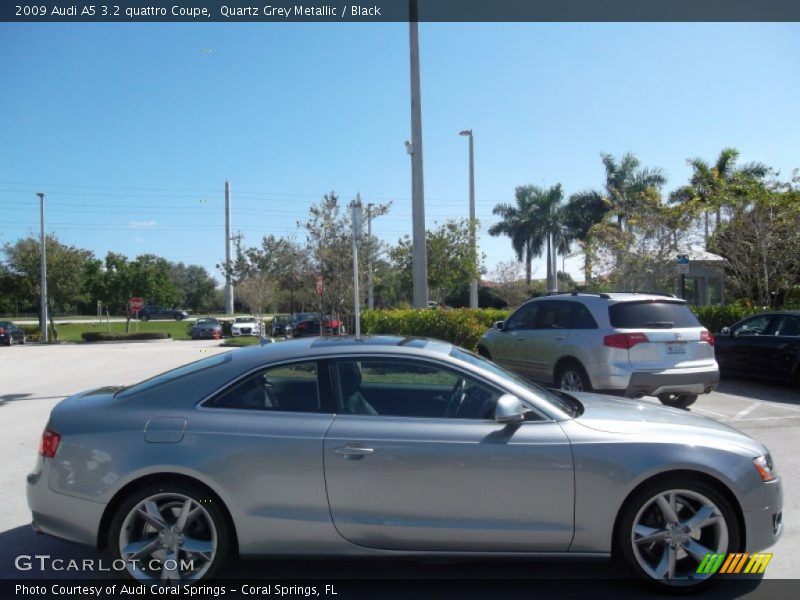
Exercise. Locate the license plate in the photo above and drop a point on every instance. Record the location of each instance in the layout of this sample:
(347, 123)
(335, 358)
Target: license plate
(676, 348)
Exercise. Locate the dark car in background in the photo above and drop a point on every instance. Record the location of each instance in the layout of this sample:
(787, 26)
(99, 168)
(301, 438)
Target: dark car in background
(10, 334)
(206, 328)
(281, 326)
(152, 313)
(308, 324)
(766, 346)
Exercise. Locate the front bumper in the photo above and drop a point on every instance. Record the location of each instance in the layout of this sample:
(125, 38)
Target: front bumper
(675, 381)
(764, 524)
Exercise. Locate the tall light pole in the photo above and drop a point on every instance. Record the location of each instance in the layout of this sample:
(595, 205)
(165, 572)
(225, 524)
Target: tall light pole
(228, 282)
(420, 255)
(473, 285)
(370, 296)
(43, 270)
(356, 206)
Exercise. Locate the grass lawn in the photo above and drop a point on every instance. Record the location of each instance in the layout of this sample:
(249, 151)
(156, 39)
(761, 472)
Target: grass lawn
(71, 332)
(249, 340)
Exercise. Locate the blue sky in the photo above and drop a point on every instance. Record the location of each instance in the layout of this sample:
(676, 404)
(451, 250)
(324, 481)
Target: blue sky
(132, 129)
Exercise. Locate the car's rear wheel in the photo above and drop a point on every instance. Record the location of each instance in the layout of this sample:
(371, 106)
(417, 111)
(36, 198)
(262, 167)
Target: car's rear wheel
(678, 400)
(572, 377)
(144, 318)
(179, 317)
(171, 532)
(668, 528)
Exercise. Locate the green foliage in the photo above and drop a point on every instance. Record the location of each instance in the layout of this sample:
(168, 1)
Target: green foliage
(98, 336)
(462, 327)
(714, 318)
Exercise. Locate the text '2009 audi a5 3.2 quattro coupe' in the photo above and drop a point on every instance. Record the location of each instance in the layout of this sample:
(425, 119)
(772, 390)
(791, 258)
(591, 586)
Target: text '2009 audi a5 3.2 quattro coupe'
(389, 446)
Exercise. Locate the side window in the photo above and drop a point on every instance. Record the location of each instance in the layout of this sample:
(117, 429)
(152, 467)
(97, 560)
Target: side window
(554, 315)
(753, 326)
(788, 325)
(408, 388)
(581, 317)
(524, 318)
(291, 388)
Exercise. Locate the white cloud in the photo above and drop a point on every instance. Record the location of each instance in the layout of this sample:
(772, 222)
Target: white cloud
(141, 224)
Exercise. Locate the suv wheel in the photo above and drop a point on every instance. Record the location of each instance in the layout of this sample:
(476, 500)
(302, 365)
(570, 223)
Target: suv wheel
(678, 400)
(573, 378)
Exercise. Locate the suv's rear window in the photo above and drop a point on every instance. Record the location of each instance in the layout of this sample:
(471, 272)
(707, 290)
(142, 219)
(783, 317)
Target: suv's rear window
(649, 314)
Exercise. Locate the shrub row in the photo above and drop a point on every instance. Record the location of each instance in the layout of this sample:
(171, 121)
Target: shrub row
(460, 326)
(97, 336)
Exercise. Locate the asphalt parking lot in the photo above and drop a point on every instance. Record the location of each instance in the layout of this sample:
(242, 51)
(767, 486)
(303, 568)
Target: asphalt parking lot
(34, 378)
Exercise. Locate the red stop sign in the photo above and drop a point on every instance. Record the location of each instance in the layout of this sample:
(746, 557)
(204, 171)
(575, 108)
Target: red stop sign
(136, 304)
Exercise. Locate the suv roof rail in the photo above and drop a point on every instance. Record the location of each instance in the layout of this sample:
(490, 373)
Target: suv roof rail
(575, 293)
(666, 295)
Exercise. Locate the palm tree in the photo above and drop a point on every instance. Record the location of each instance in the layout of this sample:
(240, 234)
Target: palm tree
(520, 224)
(707, 183)
(535, 225)
(626, 181)
(583, 211)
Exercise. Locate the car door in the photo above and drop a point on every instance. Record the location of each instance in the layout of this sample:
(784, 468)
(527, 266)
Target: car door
(775, 354)
(404, 473)
(737, 351)
(508, 346)
(545, 342)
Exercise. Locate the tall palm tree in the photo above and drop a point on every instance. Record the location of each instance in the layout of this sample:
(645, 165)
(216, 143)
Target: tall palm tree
(626, 181)
(583, 211)
(520, 224)
(707, 183)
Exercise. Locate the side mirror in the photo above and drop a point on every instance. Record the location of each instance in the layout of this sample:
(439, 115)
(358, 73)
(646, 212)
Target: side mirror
(726, 331)
(500, 325)
(510, 409)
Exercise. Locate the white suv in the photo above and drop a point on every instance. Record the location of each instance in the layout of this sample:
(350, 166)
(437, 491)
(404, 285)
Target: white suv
(625, 343)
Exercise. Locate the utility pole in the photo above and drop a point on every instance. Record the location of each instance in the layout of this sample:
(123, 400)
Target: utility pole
(356, 205)
(420, 255)
(473, 285)
(42, 271)
(370, 297)
(228, 283)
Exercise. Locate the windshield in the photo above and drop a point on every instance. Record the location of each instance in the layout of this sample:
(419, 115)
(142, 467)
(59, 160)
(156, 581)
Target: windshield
(563, 403)
(244, 319)
(205, 363)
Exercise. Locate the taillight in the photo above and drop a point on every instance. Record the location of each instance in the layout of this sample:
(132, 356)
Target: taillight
(49, 443)
(705, 336)
(2, 331)
(624, 341)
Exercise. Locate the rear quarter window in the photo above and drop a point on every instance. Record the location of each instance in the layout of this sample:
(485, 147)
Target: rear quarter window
(649, 314)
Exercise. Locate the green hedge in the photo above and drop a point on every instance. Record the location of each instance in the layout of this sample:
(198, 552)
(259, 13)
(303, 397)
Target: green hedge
(714, 318)
(460, 326)
(97, 336)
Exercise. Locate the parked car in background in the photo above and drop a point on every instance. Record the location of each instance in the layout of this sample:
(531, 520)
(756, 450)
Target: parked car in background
(623, 343)
(206, 328)
(388, 445)
(766, 345)
(11, 334)
(245, 326)
(305, 324)
(281, 326)
(152, 313)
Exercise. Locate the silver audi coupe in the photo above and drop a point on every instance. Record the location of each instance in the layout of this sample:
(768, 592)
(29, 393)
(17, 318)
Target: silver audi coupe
(396, 447)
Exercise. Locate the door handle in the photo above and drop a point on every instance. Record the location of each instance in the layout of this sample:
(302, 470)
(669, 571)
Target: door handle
(353, 452)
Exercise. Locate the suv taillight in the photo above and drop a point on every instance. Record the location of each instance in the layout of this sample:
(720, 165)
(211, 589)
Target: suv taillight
(49, 443)
(2, 330)
(705, 336)
(624, 341)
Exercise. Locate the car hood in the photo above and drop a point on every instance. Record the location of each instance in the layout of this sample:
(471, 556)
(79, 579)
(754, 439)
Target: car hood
(634, 417)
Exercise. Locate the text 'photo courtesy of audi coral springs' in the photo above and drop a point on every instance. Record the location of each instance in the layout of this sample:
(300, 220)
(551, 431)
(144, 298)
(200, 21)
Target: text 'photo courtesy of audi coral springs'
(390, 446)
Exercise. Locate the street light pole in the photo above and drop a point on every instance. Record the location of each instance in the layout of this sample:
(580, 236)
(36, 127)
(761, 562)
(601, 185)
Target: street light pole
(473, 285)
(356, 205)
(420, 255)
(43, 270)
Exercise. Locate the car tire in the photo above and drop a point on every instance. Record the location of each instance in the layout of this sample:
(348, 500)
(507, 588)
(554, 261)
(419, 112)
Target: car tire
(572, 377)
(650, 542)
(144, 318)
(135, 525)
(22, 341)
(179, 317)
(678, 400)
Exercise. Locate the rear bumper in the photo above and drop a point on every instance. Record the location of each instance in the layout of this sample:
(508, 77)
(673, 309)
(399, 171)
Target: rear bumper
(673, 381)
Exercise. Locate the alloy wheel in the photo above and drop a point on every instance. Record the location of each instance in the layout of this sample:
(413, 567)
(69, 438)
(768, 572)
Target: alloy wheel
(571, 381)
(168, 536)
(673, 531)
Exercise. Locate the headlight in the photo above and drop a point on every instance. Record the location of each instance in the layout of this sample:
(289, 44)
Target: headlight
(765, 468)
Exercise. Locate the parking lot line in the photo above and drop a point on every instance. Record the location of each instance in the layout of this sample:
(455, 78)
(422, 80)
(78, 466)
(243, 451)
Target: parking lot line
(746, 411)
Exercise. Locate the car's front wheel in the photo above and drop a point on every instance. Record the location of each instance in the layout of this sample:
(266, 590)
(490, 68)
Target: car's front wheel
(667, 529)
(678, 400)
(144, 318)
(171, 532)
